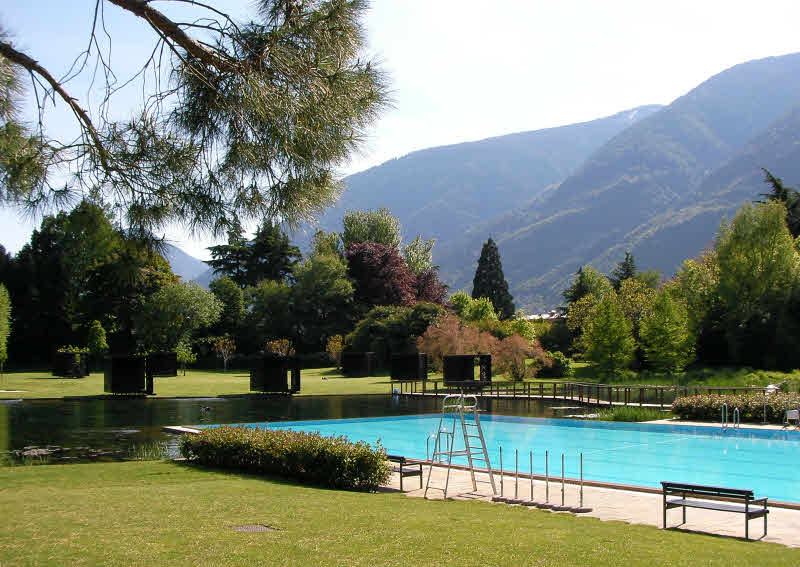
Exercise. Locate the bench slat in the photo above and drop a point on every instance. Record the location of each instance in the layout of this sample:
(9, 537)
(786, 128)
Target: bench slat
(671, 487)
(753, 512)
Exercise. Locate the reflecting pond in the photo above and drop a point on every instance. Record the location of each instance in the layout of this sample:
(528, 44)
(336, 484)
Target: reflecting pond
(101, 428)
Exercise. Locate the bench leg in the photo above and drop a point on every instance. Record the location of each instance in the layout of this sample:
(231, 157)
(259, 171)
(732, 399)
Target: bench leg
(401, 479)
(765, 526)
(746, 527)
(684, 515)
(420, 482)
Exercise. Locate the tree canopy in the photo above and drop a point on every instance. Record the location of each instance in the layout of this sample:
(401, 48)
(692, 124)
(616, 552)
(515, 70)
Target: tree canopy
(240, 120)
(173, 313)
(371, 226)
(268, 256)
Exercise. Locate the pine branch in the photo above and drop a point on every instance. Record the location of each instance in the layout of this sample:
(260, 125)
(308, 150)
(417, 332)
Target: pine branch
(21, 59)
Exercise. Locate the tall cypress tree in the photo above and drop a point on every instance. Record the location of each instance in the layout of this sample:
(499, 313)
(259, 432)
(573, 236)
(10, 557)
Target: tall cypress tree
(490, 282)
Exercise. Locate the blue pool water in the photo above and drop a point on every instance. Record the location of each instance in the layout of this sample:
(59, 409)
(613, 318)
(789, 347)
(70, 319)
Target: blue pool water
(628, 453)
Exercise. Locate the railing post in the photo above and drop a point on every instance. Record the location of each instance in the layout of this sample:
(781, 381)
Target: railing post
(641, 396)
(661, 395)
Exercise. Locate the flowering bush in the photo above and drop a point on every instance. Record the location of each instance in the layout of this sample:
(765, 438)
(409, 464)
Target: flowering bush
(751, 406)
(310, 458)
(334, 348)
(448, 336)
(511, 354)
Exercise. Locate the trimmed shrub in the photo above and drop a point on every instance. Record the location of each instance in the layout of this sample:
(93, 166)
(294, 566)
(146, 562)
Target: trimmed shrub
(751, 406)
(560, 366)
(309, 458)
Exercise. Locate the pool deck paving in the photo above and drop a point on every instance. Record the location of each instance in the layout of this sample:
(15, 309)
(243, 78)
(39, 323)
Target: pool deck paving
(609, 504)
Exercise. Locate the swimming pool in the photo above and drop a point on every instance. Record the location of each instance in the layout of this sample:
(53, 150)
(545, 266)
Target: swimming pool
(766, 461)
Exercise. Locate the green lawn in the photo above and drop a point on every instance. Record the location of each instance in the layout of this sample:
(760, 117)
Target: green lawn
(199, 383)
(696, 376)
(159, 513)
(203, 383)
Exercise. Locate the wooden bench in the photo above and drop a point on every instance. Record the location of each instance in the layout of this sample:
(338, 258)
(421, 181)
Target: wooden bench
(405, 468)
(715, 498)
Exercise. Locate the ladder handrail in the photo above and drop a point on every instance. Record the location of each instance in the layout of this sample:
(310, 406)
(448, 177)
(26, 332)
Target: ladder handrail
(724, 417)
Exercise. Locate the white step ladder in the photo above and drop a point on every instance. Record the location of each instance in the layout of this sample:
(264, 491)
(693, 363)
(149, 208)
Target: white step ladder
(454, 408)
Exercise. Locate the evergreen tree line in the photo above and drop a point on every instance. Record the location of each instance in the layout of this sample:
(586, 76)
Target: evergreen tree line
(737, 303)
(81, 282)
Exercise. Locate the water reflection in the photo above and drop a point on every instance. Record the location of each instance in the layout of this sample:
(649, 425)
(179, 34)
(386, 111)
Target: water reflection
(75, 429)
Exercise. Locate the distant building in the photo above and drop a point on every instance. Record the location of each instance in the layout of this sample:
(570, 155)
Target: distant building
(552, 314)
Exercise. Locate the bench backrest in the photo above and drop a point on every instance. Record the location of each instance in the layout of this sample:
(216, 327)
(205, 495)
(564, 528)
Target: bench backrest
(701, 490)
(396, 458)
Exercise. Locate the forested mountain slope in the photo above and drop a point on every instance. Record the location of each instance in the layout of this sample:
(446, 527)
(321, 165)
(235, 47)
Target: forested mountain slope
(660, 187)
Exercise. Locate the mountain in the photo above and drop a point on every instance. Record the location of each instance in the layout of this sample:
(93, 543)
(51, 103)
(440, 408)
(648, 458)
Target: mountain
(660, 187)
(205, 277)
(186, 266)
(442, 192)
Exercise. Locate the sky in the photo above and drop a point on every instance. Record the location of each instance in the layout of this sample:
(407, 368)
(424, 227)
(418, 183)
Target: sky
(464, 70)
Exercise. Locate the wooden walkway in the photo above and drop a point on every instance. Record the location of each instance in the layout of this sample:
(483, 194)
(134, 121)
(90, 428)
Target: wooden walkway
(584, 393)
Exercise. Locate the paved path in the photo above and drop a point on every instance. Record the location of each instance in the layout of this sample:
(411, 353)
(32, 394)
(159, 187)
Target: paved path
(612, 504)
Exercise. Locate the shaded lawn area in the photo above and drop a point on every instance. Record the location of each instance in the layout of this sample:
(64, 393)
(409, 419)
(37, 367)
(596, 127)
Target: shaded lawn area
(161, 513)
(199, 383)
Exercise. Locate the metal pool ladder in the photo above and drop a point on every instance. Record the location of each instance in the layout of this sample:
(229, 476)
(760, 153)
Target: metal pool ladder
(454, 408)
(724, 418)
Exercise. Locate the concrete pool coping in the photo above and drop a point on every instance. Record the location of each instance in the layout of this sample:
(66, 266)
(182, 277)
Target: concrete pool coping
(755, 426)
(185, 429)
(617, 503)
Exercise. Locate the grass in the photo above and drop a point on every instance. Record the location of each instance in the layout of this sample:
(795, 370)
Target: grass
(696, 376)
(632, 413)
(325, 381)
(159, 513)
(197, 383)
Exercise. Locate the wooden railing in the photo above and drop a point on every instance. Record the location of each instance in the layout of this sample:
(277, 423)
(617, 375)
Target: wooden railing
(590, 393)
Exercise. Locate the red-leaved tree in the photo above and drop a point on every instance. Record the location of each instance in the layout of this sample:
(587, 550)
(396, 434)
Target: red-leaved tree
(380, 275)
(428, 287)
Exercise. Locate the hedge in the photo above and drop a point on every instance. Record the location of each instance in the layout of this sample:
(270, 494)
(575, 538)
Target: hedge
(751, 406)
(310, 458)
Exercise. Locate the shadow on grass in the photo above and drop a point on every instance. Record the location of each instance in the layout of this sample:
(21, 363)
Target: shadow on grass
(272, 479)
(712, 534)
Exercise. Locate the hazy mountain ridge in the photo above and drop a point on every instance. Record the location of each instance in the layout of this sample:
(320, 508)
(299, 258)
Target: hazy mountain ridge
(186, 266)
(441, 192)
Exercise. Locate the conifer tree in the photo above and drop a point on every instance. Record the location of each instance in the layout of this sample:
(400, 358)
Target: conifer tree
(587, 280)
(490, 282)
(626, 269)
